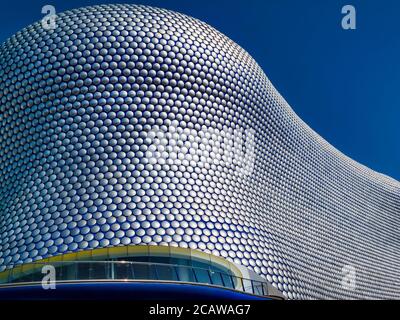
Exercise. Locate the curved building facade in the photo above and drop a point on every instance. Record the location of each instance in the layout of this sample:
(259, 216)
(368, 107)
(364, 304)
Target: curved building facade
(134, 126)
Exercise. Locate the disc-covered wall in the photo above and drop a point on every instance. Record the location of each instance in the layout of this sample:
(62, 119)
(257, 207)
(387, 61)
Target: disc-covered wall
(111, 131)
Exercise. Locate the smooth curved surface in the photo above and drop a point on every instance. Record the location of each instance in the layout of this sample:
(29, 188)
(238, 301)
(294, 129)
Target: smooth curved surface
(124, 291)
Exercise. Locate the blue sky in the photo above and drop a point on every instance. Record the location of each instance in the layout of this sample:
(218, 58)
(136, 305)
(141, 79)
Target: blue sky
(343, 83)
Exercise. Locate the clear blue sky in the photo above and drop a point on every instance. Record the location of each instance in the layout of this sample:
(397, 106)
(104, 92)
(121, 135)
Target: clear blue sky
(344, 84)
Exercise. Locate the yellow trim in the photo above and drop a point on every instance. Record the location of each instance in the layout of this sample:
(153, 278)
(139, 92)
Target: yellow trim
(158, 251)
(102, 252)
(179, 252)
(124, 251)
(117, 252)
(84, 255)
(137, 250)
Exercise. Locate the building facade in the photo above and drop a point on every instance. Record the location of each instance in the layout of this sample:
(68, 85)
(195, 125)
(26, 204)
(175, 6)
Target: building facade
(130, 126)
